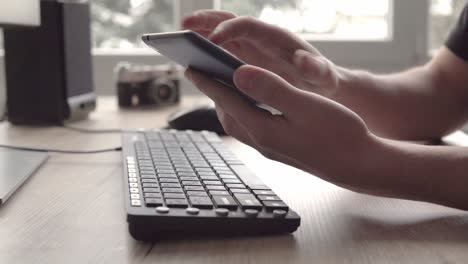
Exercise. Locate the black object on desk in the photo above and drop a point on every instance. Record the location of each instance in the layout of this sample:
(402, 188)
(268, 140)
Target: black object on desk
(49, 68)
(184, 183)
(197, 118)
(15, 168)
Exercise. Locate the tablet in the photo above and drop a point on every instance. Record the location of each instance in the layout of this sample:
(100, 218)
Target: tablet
(190, 49)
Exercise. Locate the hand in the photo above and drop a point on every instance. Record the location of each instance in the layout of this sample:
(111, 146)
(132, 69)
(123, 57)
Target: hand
(269, 47)
(314, 134)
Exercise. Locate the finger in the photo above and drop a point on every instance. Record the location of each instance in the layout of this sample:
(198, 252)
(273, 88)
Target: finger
(230, 101)
(270, 89)
(258, 32)
(249, 53)
(315, 69)
(206, 19)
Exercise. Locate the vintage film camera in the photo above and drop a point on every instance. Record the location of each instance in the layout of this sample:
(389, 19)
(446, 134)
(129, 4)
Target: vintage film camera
(143, 85)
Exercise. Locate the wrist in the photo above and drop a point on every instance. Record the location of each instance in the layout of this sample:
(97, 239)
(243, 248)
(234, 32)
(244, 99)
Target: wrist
(348, 81)
(357, 167)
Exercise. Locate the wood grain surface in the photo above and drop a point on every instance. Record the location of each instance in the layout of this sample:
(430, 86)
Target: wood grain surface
(72, 211)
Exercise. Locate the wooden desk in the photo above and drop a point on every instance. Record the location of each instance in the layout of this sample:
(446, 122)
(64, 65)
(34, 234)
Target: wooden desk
(72, 211)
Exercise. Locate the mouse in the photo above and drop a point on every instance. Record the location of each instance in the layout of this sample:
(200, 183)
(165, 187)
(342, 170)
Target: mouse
(202, 117)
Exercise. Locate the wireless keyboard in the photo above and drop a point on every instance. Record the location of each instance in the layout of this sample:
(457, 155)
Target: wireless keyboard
(185, 183)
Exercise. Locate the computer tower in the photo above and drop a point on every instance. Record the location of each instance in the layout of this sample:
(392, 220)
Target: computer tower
(49, 68)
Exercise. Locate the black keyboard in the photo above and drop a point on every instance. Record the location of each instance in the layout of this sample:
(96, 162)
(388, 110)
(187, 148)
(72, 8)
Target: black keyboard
(184, 183)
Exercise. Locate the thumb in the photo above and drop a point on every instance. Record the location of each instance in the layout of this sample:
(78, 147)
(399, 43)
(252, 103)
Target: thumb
(268, 88)
(315, 69)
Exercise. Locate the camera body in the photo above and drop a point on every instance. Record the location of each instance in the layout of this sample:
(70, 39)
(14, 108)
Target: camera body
(143, 85)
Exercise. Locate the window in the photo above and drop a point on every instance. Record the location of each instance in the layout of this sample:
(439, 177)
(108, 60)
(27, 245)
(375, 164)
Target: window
(443, 16)
(379, 35)
(317, 19)
(117, 24)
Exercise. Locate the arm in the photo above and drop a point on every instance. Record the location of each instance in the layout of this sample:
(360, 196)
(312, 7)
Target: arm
(334, 143)
(435, 174)
(423, 103)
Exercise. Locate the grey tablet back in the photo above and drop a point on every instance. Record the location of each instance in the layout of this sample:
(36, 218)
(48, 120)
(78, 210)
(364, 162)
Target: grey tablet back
(15, 168)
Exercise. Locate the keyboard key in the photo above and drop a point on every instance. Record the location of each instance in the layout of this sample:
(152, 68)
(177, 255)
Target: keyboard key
(165, 175)
(213, 183)
(194, 188)
(174, 195)
(165, 167)
(216, 188)
(239, 191)
(227, 176)
(248, 201)
(153, 202)
(235, 186)
(172, 180)
(147, 176)
(273, 205)
(196, 193)
(150, 185)
(225, 202)
(134, 190)
(206, 173)
(209, 178)
(188, 178)
(234, 181)
(151, 190)
(152, 195)
(147, 172)
(263, 192)
(268, 198)
(170, 185)
(136, 203)
(219, 165)
(203, 169)
(149, 180)
(259, 187)
(176, 203)
(191, 183)
(172, 190)
(133, 185)
(190, 174)
(201, 202)
(165, 171)
(219, 193)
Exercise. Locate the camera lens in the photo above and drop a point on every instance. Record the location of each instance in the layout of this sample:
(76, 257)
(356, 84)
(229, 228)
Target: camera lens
(164, 90)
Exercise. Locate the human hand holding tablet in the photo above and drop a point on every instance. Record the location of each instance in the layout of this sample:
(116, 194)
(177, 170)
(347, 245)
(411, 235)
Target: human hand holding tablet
(192, 50)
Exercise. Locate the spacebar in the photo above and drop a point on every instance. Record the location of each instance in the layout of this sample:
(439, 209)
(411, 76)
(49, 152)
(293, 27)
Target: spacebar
(250, 179)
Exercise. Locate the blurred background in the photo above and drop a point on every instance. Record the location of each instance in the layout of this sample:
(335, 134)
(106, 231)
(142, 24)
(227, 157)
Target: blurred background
(377, 35)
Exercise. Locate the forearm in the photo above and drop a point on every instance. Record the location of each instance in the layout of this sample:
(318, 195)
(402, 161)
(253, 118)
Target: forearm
(422, 103)
(436, 174)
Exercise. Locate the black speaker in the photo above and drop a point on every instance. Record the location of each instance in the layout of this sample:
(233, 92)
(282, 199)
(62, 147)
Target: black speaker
(49, 68)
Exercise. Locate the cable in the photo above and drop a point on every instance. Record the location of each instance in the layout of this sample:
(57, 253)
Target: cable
(92, 131)
(62, 151)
